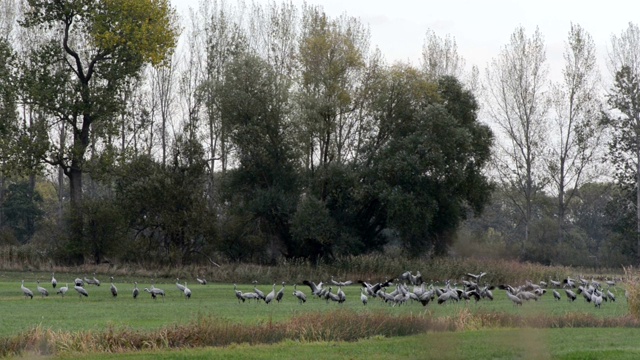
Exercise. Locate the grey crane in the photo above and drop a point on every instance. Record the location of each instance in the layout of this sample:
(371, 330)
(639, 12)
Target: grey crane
(571, 296)
(271, 295)
(41, 290)
(555, 283)
(556, 295)
(610, 283)
(363, 296)
(96, 282)
(187, 291)
(477, 277)
(257, 291)
(135, 291)
(155, 292)
(78, 282)
(372, 289)
(179, 286)
(114, 289)
(81, 291)
(280, 293)
(54, 282)
(238, 293)
(596, 298)
(341, 296)
(302, 298)
(569, 282)
(202, 281)
(250, 296)
(63, 290)
(341, 283)
(315, 289)
(611, 296)
(516, 300)
(331, 296)
(26, 291)
(486, 292)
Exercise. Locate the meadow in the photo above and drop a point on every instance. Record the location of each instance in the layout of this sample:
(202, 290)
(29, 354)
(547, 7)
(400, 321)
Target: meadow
(214, 317)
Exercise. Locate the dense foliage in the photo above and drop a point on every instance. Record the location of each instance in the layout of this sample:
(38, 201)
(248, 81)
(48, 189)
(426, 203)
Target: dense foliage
(284, 138)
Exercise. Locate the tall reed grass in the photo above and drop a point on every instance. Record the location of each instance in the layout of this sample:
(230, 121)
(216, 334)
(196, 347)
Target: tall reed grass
(371, 267)
(338, 325)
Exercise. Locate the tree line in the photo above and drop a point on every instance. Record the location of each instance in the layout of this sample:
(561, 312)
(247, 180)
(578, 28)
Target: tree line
(253, 132)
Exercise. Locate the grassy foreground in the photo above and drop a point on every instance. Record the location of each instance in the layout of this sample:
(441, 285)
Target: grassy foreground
(567, 343)
(213, 317)
(100, 310)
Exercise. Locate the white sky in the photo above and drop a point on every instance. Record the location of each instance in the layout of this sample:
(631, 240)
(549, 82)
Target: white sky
(480, 27)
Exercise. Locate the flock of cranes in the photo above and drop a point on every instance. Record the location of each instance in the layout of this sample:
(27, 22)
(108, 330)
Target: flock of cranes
(405, 288)
(412, 288)
(80, 283)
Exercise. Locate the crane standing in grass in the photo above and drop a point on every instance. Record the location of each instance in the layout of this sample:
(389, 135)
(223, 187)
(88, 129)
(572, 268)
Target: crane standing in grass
(136, 291)
(26, 291)
(257, 291)
(280, 293)
(81, 291)
(187, 291)
(114, 289)
(363, 297)
(270, 296)
(42, 290)
(179, 286)
(54, 282)
(63, 290)
(302, 298)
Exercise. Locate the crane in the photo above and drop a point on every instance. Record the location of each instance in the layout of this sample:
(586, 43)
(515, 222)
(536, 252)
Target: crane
(136, 291)
(363, 296)
(154, 291)
(96, 282)
(302, 298)
(516, 300)
(187, 291)
(571, 296)
(81, 291)
(26, 291)
(63, 290)
(556, 295)
(41, 290)
(280, 293)
(202, 281)
(179, 286)
(114, 289)
(238, 293)
(78, 282)
(341, 283)
(257, 291)
(477, 277)
(54, 282)
(271, 295)
(341, 296)
(315, 289)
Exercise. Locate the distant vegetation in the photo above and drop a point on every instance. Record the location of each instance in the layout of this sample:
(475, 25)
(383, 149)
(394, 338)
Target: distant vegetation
(275, 134)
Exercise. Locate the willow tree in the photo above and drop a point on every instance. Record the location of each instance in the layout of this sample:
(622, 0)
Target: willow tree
(76, 76)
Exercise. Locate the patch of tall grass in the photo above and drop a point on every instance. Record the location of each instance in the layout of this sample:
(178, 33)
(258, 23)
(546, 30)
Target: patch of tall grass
(371, 267)
(337, 325)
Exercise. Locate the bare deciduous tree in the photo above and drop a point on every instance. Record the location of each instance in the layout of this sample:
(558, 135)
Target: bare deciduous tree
(577, 130)
(517, 103)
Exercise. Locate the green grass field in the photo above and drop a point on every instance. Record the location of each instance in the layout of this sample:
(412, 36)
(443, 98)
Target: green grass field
(100, 311)
(583, 343)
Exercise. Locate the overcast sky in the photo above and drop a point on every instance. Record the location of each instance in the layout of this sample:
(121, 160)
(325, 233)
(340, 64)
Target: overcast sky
(480, 27)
